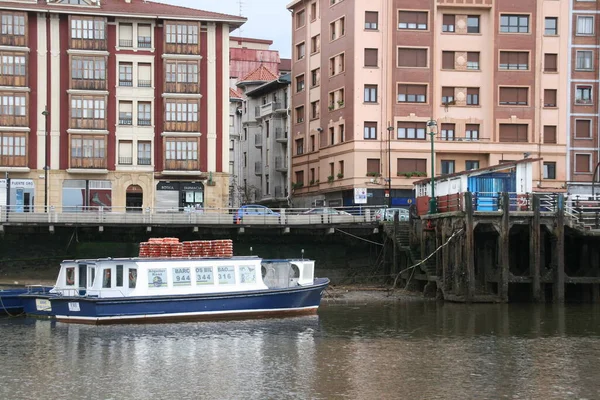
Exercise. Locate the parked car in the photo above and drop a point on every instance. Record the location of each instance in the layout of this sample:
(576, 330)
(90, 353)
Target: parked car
(326, 211)
(255, 210)
(387, 214)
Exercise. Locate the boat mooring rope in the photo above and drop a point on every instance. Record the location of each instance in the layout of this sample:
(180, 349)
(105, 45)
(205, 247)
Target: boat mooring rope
(358, 237)
(426, 258)
(2, 306)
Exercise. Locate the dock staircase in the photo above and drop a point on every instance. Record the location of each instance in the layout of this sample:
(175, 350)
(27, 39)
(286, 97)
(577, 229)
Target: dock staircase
(402, 243)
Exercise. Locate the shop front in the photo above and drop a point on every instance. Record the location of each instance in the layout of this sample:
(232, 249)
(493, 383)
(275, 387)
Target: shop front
(82, 195)
(179, 196)
(17, 194)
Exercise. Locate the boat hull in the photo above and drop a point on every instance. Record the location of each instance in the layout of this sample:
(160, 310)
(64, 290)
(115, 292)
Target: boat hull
(12, 301)
(263, 303)
(37, 305)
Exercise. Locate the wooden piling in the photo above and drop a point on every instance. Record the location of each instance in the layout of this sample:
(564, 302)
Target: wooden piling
(534, 250)
(559, 251)
(504, 248)
(469, 246)
(446, 284)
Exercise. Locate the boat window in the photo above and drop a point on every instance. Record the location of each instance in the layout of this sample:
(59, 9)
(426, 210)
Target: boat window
(226, 275)
(82, 275)
(70, 276)
(157, 277)
(92, 276)
(181, 277)
(119, 276)
(247, 274)
(204, 276)
(132, 278)
(106, 278)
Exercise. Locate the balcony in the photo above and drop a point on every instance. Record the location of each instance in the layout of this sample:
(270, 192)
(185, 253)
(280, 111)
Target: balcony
(88, 163)
(144, 42)
(469, 3)
(281, 164)
(181, 126)
(125, 43)
(258, 168)
(126, 83)
(182, 165)
(125, 161)
(88, 44)
(258, 140)
(279, 192)
(13, 40)
(125, 120)
(269, 108)
(88, 84)
(144, 122)
(174, 87)
(13, 80)
(281, 135)
(144, 83)
(14, 120)
(144, 161)
(13, 161)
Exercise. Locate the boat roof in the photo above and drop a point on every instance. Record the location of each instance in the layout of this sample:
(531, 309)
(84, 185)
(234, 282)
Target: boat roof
(136, 259)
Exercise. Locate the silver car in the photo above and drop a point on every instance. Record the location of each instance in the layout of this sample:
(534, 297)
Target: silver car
(387, 214)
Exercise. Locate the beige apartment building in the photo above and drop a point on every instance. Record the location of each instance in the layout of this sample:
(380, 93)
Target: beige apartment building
(374, 81)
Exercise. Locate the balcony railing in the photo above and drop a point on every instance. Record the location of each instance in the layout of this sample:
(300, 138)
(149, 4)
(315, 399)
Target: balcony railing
(144, 83)
(144, 42)
(144, 122)
(125, 43)
(258, 140)
(182, 165)
(125, 121)
(125, 161)
(281, 135)
(258, 168)
(269, 108)
(281, 164)
(125, 83)
(88, 163)
(144, 161)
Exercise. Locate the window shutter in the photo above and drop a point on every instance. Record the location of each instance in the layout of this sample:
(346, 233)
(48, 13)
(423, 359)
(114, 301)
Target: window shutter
(125, 32)
(373, 165)
(447, 60)
(371, 57)
(448, 92)
(421, 58)
(549, 134)
(144, 30)
(508, 132)
(448, 19)
(473, 56)
(582, 163)
(549, 97)
(371, 17)
(144, 72)
(582, 128)
(550, 62)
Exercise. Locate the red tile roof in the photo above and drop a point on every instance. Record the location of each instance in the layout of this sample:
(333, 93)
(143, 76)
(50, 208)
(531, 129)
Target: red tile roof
(234, 94)
(261, 73)
(138, 8)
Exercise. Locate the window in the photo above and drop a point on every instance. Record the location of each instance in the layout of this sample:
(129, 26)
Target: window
(314, 109)
(331, 138)
(181, 33)
(447, 167)
(13, 64)
(144, 113)
(550, 62)
(181, 111)
(549, 170)
(471, 165)
(125, 113)
(88, 28)
(300, 19)
(473, 24)
(315, 77)
(514, 60)
(299, 178)
(370, 57)
(125, 152)
(313, 11)
(514, 23)
(13, 24)
(373, 167)
(341, 136)
(412, 57)
(144, 36)
(13, 105)
(410, 165)
(370, 130)
(336, 99)
(583, 163)
(341, 168)
(181, 149)
(370, 93)
(513, 132)
(551, 26)
(473, 60)
(125, 35)
(88, 147)
(447, 132)
(472, 96)
(549, 97)
(336, 64)
(514, 96)
(299, 114)
(13, 149)
(144, 75)
(144, 152)
(584, 60)
(88, 112)
(299, 83)
(549, 133)
(583, 129)
(447, 95)
(300, 51)
(416, 20)
(125, 74)
(411, 130)
(245, 160)
(472, 132)
(448, 21)
(412, 93)
(337, 28)
(448, 59)
(583, 95)
(315, 44)
(371, 20)
(585, 25)
(106, 280)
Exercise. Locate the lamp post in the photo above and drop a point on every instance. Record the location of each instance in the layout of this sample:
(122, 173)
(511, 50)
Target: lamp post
(45, 113)
(390, 129)
(431, 125)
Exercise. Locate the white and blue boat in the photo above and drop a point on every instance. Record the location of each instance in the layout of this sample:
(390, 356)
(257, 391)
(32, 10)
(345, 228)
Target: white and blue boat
(138, 290)
(12, 302)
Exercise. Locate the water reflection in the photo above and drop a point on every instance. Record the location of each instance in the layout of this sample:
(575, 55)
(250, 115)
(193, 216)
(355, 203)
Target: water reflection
(384, 351)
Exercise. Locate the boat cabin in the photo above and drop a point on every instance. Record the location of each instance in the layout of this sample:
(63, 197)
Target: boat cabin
(128, 277)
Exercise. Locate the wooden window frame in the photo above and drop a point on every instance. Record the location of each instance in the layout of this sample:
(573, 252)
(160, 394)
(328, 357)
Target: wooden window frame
(79, 148)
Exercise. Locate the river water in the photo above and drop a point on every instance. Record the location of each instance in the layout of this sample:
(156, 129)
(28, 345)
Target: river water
(404, 350)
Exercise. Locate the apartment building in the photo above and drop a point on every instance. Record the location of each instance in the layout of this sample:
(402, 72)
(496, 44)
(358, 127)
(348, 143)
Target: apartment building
(120, 103)
(374, 83)
(263, 145)
(582, 91)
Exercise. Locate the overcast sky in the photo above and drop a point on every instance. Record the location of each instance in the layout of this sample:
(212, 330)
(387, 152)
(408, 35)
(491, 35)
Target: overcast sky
(267, 19)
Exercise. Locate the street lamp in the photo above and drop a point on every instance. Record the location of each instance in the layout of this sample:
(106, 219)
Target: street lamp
(432, 125)
(45, 113)
(389, 129)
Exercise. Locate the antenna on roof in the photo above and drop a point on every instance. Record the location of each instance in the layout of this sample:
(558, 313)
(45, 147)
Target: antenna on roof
(240, 5)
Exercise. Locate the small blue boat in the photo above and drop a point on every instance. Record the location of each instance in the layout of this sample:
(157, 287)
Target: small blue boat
(137, 290)
(11, 301)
